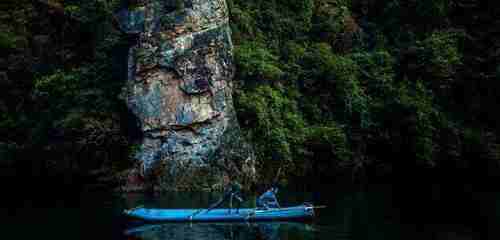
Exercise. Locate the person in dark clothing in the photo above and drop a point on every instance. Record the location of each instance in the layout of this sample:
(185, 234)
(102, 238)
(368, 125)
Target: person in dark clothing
(268, 199)
(232, 190)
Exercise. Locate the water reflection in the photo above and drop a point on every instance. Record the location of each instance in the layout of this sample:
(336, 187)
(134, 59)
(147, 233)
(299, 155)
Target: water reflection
(227, 231)
(351, 215)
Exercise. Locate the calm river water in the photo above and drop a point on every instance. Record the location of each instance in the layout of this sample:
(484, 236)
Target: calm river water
(372, 213)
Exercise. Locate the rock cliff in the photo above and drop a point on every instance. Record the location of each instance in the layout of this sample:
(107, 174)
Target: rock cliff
(179, 88)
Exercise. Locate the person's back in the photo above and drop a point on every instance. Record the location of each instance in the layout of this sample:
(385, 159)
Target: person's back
(268, 199)
(234, 188)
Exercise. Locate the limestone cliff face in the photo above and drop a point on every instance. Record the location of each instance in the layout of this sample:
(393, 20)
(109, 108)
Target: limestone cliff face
(179, 87)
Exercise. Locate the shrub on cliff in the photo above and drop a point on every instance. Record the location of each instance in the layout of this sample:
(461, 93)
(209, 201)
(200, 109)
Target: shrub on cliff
(275, 125)
(257, 63)
(329, 146)
(336, 79)
(7, 41)
(440, 57)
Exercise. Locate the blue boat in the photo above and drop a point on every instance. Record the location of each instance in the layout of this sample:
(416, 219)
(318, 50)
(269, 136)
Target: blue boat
(301, 212)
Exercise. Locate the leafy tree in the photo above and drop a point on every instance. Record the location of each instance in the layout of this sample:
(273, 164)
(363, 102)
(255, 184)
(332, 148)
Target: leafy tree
(255, 61)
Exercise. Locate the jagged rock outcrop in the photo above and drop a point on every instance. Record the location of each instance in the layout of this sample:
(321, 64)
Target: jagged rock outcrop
(179, 88)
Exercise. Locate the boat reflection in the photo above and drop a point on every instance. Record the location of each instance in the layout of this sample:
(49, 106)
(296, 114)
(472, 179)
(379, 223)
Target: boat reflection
(229, 231)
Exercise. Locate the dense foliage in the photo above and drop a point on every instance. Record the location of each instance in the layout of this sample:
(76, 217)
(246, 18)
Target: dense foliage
(60, 112)
(372, 87)
(324, 87)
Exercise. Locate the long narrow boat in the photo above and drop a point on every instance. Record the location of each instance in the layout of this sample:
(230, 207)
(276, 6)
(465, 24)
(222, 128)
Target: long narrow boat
(301, 212)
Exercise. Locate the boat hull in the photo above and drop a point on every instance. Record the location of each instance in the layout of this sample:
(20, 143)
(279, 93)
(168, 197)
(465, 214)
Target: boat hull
(301, 212)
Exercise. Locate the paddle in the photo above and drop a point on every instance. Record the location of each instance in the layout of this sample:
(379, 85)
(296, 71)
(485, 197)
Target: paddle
(195, 213)
(319, 207)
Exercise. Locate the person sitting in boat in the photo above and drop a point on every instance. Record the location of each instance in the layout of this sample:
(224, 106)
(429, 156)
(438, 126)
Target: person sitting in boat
(232, 190)
(268, 199)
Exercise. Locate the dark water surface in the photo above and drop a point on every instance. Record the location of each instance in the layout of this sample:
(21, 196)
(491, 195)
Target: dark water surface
(371, 213)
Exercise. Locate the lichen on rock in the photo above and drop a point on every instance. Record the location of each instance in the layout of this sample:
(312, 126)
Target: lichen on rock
(179, 87)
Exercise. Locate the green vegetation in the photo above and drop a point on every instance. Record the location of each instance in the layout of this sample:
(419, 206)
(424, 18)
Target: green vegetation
(59, 102)
(323, 86)
(257, 62)
(370, 81)
(7, 41)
